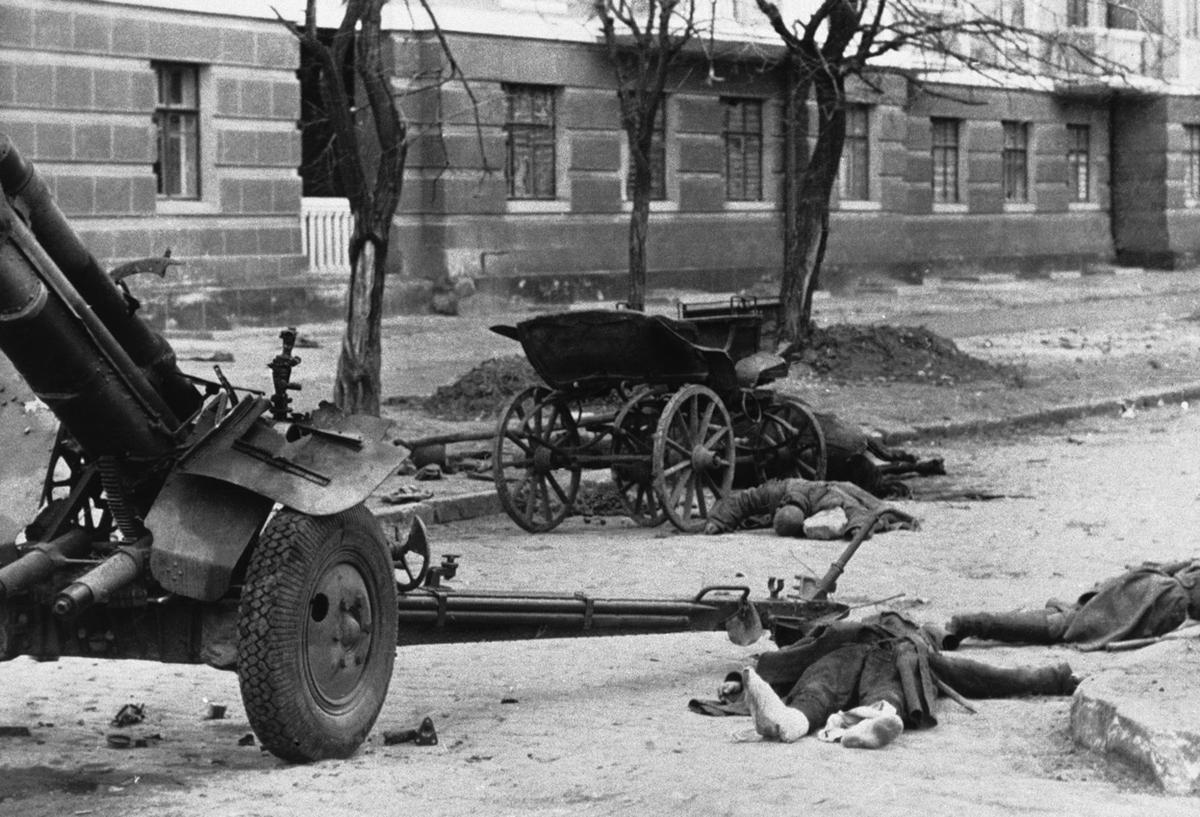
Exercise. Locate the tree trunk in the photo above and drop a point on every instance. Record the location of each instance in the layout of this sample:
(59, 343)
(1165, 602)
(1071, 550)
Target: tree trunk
(357, 388)
(639, 224)
(807, 203)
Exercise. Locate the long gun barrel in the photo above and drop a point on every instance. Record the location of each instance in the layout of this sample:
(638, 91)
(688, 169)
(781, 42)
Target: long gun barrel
(70, 359)
(148, 350)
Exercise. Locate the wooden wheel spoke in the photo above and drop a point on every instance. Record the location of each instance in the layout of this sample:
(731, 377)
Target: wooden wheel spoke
(677, 491)
(712, 441)
(518, 441)
(677, 467)
(562, 495)
(544, 495)
(679, 447)
(707, 421)
(690, 499)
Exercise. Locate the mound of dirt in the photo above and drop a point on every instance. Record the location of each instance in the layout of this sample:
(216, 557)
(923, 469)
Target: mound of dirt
(854, 353)
(482, 391)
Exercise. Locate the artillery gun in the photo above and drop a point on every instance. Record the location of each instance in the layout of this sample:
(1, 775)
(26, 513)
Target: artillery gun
(184, 520)
(181, 520)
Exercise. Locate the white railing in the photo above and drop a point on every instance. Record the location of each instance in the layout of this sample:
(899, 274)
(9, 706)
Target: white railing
(325, 229)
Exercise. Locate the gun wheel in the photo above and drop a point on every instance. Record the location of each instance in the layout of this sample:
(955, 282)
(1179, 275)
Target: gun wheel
(317, 633)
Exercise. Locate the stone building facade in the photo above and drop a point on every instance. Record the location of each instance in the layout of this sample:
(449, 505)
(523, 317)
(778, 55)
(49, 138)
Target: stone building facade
(174, 124)
(162, 126)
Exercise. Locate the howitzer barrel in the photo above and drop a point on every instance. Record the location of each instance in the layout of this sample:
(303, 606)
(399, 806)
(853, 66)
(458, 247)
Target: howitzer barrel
(149, 351)
(68, 357)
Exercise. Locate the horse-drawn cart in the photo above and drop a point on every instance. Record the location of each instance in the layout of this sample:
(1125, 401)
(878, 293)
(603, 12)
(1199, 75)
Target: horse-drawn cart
(678, 423)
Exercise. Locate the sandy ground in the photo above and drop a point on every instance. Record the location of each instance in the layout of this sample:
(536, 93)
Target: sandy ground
(600, 726)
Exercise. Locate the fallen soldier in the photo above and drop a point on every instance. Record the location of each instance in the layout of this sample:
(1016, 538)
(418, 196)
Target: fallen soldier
(1144, 602)
(800, 507)
(851, 455)
(863, 683)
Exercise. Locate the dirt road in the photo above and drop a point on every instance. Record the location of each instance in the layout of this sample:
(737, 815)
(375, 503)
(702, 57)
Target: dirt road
(601, 727)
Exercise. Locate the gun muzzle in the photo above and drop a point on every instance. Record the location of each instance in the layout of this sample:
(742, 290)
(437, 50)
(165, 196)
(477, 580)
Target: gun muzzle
(106, 578)
(41, 560)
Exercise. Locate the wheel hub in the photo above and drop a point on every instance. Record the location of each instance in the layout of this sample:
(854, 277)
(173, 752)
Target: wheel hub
(339, 633)
(703, 459)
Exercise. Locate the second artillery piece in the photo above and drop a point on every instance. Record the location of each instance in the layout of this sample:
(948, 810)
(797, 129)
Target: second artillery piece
(678, 410)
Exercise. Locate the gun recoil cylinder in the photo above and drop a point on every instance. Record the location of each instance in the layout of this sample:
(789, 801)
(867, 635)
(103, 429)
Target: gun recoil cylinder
(98, 584)
(41, 560)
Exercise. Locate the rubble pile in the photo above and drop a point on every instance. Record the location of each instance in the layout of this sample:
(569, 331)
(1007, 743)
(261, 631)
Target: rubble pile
(482, 392)
(852, 353)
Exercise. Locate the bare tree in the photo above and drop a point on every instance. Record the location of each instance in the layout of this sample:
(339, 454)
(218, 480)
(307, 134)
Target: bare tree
(652, 35)
(840, 39)
(366, 153)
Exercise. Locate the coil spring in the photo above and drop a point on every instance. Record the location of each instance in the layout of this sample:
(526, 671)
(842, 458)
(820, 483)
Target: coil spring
(110, 478)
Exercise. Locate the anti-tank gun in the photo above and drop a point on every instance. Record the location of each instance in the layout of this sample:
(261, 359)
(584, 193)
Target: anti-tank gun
(183, 520)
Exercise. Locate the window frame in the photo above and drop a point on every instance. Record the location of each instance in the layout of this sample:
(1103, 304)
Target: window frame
(849, 185)
(1079, 158)
(1191, 165)
(744, 142)
(1015, 162)
(1077, 13)
(183, 111)
(531, 130)
(946, 154)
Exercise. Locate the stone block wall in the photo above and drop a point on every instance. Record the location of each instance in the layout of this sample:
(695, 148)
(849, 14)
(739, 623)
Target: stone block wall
(78, 93)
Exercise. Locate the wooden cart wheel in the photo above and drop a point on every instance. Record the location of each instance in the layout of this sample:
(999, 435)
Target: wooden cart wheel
(536, 479)
(788, 442)
(633, 435)
(693, 456)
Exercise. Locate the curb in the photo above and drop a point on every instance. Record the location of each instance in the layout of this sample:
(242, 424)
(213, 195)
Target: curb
(439, 510)
(1047, 416)
(1129, 714)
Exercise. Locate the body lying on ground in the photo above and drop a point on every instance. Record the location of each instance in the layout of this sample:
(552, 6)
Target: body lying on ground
(1146, 601)
(864, 682)
(791, 506)
(852, 455)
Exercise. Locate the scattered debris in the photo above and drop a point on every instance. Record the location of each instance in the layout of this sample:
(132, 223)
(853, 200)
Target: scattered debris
(129, 715)
(247, 739)
(427, 473)
(212, 357)
(509, 701)
(406, 494)
(423, 735)
(14, 732)
(215, 712)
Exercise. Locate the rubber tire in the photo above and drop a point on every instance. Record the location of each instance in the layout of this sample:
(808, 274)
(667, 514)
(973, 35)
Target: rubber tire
(291, 718)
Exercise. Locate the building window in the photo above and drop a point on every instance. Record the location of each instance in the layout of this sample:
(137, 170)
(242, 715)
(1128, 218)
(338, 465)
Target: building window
(1079, 161)
(177, 120)
(1122, 15)
(1077, 12)
(945, 160)
(1193, 162)
(854, 172)
(743, 149)
(658, 158)
(529, 126)
(1015, 161)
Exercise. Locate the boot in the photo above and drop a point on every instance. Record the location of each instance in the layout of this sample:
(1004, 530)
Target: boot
(975, 679)
(1044, 626)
